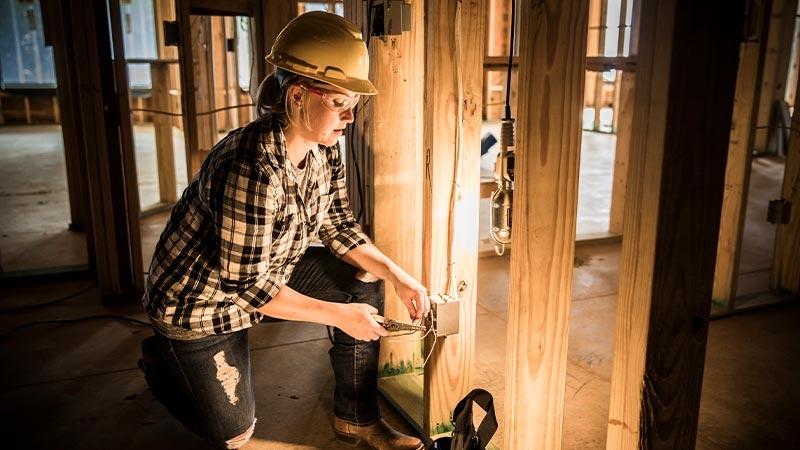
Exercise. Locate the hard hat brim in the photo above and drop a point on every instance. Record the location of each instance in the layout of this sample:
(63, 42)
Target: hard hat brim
(357, 86)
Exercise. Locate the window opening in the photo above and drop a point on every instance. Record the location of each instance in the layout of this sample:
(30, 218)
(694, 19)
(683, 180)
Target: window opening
(25, 61)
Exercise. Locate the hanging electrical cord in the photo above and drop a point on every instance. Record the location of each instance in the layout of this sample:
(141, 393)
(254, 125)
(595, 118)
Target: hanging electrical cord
(502, 198)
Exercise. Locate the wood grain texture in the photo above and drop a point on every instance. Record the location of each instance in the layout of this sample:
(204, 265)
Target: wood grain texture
(676, 173)
(453, 106)
(395, 144)
(552, 59)
(619, 183)
(162, 124)
(786, 266)
(737, 171)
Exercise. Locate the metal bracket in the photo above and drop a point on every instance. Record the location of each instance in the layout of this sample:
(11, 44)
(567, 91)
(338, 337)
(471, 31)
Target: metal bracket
(171, 34)
(779, 211)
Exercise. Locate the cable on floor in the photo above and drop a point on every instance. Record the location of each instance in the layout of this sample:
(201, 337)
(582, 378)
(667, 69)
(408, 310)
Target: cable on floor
(50, 303)
(78, 319)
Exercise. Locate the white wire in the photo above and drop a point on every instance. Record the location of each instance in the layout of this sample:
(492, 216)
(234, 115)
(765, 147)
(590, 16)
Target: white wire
(422, 338)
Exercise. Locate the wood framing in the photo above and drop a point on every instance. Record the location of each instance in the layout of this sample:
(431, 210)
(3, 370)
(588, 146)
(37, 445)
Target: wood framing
(774, 69)
(739, 161)
(56, 29)
(201, 48)
(549, 129)
(598, 97)
(675, 179)
(786, 267)
(453, 114)
(162, 123)
(619, 183)
(623, 116)
(395, 135)
(98, 86)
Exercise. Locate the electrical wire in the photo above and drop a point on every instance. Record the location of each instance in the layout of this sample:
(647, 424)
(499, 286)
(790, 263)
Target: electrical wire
(56, 321)
(77, 319)
(510, 59)
(51, 302)
(451, 272)
(392, 339)
(204, 113)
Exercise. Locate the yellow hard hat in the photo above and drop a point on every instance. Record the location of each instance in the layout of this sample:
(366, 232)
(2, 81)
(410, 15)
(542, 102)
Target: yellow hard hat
(325, 47)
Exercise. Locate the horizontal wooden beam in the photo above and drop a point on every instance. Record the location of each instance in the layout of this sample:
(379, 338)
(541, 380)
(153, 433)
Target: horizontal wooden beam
(499, 62)
(218, 8)
(593, 63)
(606, 63)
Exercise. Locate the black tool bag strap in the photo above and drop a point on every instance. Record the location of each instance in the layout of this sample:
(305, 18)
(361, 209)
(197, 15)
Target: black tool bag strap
(462, 415)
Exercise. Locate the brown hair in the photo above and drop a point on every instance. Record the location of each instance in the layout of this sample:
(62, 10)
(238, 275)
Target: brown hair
(272, 95)
(272, 98)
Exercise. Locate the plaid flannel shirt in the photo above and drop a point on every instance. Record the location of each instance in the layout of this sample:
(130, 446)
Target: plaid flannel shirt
(240, 228)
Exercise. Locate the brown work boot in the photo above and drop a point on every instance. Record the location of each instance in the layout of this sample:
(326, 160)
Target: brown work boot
(379, 436)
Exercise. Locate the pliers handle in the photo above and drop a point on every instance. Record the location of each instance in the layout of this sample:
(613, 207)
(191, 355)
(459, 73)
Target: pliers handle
(393, 325)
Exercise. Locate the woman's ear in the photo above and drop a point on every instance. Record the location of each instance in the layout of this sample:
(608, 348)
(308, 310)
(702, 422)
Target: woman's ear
(295, 94)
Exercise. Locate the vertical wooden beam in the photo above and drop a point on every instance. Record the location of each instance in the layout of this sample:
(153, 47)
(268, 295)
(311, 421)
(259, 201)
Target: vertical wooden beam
(552, 70)
(122, 178)
(624, 117)
(786, 266)
(453, 96)
(775, 67)
(219, 69)
(396, 141)
(593, 48)
(165, 152)
(740, 157)
(623, 17)
(57, 30)
(232, 89)
(203, 58)
(676, 173)
(359, 156)
(164, 11)
(26, 103)
(498, 29)
(188, 101)
(274, 16)
(99, 98)
(794, 67)
(599, 83)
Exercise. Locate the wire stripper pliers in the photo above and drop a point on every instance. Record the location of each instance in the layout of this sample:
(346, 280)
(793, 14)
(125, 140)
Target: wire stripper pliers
(393, 325)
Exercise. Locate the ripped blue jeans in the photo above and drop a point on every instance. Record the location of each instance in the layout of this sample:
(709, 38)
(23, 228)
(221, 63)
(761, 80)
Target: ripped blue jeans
(209, 387)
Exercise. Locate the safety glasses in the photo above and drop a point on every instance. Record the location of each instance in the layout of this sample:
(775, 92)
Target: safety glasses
(335, 101)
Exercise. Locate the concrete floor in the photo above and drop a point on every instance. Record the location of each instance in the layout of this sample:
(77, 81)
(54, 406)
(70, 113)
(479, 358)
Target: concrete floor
(69, 378)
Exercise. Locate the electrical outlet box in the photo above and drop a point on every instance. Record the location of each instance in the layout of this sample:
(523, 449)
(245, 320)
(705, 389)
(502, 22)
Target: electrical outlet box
(446, 315)
(391, 17)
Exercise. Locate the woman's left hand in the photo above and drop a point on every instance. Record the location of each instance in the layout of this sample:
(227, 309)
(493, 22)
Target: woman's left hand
(414, 295)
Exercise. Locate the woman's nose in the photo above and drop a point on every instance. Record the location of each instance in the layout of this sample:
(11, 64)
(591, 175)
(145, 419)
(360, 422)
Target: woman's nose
(348, 115)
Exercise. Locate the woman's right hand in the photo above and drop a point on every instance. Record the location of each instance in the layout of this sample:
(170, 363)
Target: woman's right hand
(356, 320)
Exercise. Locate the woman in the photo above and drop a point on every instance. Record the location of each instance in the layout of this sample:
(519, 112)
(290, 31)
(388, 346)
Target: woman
(236, 250)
